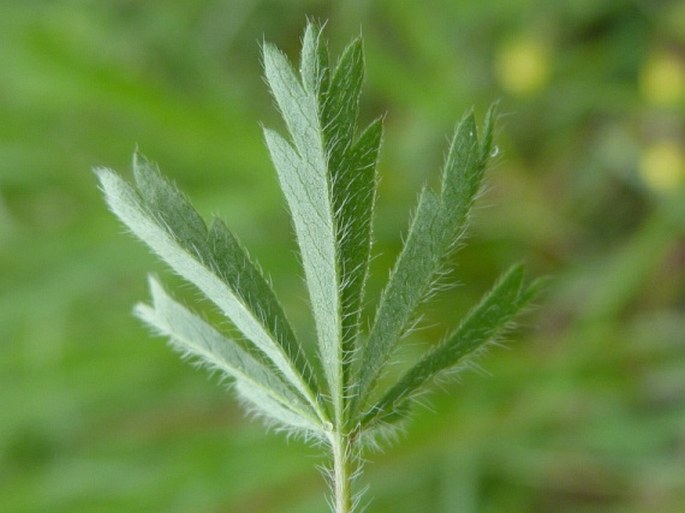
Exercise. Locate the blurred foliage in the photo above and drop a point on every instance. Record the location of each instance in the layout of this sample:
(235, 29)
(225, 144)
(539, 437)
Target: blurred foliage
(586, 413)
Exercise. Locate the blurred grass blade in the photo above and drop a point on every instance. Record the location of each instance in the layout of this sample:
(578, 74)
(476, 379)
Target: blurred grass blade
(436, 228)
(484, 323)
(212, 260)
(193, 337)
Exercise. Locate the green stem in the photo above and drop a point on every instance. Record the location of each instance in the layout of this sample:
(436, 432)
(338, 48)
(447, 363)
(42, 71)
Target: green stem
(342, 472)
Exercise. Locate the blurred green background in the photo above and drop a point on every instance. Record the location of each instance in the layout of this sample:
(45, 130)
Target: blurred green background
(584, 413)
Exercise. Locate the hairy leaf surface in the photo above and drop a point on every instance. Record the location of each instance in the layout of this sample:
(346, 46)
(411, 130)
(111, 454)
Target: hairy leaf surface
(329, 181)
(264, 406)
(192, 336)
(483, 323)
(212, 260)
(326, 168)
(437, 225)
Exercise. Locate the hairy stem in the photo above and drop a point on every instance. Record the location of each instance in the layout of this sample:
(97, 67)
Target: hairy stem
(343, 472)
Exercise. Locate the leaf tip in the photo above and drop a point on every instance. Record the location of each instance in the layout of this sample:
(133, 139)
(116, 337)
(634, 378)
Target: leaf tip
(536, 287)
(488, 130)
(147, 314)
(156, 288)
(103, 174)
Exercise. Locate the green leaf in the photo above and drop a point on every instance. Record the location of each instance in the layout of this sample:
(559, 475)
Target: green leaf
(339, 106)
(437, 225)
(354, 190)
(212, 260)
(352, 175)
(314, 60)
(329, 181)
(406, 288)
(306, 192)
(488, 131)
(192, 336)
(484, 323)
(298, 108)
(274, 412)
(463, 172)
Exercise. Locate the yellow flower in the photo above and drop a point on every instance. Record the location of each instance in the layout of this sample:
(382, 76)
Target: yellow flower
(662, 79)
(662, 166)
(522, 66)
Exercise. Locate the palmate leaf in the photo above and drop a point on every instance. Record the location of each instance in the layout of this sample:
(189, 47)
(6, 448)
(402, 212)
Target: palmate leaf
(485, 322)
(437, 225)
(156, 212)
(326, 168)
(329, 181)
(192, 336)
